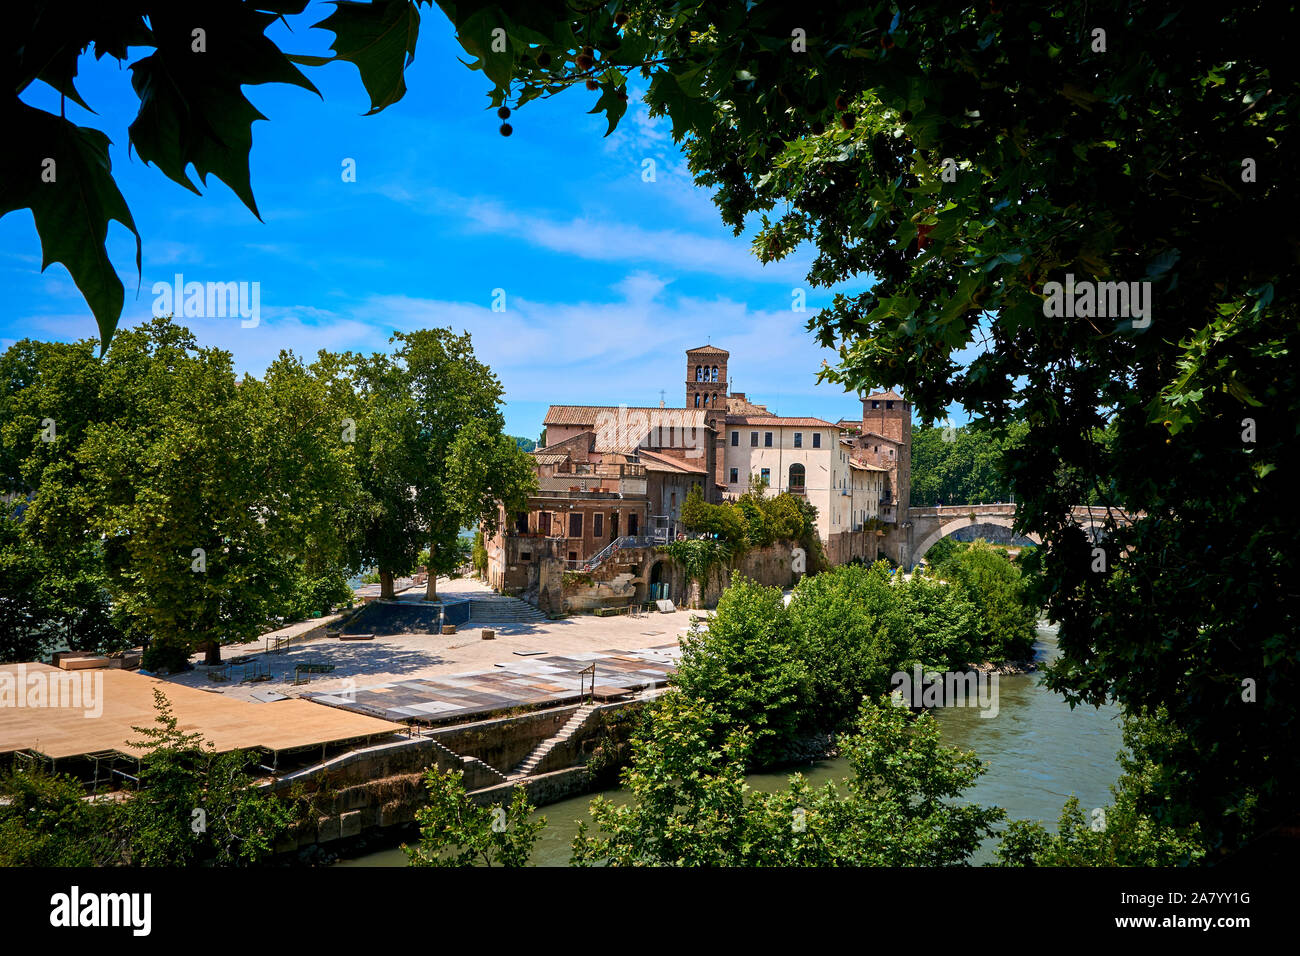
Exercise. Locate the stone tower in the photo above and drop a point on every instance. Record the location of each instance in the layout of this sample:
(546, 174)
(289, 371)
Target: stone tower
(887, 414)
(706, 389)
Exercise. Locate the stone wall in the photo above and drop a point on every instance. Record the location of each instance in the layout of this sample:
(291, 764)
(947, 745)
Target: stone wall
(382, 786)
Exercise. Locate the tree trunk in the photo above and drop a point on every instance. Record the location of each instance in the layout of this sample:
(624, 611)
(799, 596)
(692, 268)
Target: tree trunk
(386, 585)
(212, 653)
(431, 583)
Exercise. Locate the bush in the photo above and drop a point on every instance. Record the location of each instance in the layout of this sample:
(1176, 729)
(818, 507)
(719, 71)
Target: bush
(721, 521)
(45, 821)
(994, 585)
(851, 637)
(745, 664)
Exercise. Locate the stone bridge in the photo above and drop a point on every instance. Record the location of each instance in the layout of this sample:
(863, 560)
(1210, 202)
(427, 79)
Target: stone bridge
(921, 528)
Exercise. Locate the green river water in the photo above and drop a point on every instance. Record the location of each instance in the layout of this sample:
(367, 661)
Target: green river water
(1037, 749)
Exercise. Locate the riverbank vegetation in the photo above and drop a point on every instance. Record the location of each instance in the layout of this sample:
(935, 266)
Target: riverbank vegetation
(786, 672)
(192, 808)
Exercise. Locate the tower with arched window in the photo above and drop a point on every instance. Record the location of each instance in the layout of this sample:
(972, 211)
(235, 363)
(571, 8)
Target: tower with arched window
(706, 389)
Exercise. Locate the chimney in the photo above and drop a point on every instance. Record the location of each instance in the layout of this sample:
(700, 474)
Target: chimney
(661, 403)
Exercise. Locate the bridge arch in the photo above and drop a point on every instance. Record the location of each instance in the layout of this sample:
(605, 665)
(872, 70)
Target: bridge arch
(946, 528)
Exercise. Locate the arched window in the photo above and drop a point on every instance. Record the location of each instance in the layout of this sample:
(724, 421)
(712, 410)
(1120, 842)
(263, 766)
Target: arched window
(715, 399)
(699, 373)
(715, 373)
(697, 400)
(796, 477)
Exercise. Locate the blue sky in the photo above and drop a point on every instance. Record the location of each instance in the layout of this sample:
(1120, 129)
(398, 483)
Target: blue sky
(608, 279)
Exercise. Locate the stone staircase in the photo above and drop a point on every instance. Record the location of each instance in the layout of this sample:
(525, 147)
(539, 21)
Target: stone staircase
(538, 754)
(502, 609)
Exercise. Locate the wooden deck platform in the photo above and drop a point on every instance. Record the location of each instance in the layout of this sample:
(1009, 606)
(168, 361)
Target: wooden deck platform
(128, 702)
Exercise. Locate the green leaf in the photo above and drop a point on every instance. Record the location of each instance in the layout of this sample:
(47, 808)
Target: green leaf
(378, 39)
(612, 105)
(72, 212)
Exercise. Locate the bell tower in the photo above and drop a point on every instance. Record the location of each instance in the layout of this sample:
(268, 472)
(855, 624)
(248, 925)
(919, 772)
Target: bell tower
(706, 390)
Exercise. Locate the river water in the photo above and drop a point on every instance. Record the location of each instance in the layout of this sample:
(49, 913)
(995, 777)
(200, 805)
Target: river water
(1038, 752)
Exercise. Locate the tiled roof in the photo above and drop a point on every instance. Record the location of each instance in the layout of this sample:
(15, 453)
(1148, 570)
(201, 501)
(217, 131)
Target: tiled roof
(711, 349)
(892, 441)
(589, 414)
(887, 395)
(862, 466)
(655, 462)
(545, 458)
(774, 421)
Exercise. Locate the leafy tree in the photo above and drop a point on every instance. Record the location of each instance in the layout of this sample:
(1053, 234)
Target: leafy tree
(214, 495)
(744, 663)
(717, 520)
(690, 805)
(386, 528)
(687, 783)
(432, 454)
(178, 776)
(53, 578)
(942, 625)
(964, 465)
(994, 587)
(454, 831)
(851, 637)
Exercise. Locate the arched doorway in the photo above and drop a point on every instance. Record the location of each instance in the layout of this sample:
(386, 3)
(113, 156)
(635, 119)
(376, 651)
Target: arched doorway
(659, 586)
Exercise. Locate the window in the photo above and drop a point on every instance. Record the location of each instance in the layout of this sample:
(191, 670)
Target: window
(817, 440)
(753, 439)
(889, 404)
(525, 556)
(699, 373)
(597, 525)
(573, 556)
(766, 475)
(575, 525)
(715, 373)
(735, 475)
(875, 404)
(796, 477)
(697, 401)
(767, 439)
(631, 524)
(798, 439)
(735, 439)
(521, 522)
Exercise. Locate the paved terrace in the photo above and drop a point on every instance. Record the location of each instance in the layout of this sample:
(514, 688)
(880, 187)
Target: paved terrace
(523, 681)
(480, 669)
